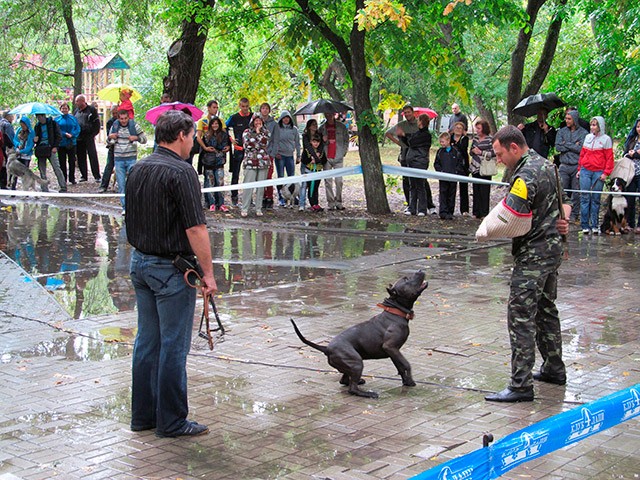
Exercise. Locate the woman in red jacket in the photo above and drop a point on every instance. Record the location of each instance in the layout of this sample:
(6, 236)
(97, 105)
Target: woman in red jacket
(594, 166)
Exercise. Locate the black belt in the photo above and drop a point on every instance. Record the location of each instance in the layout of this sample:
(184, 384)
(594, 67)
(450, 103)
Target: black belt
(170, 256)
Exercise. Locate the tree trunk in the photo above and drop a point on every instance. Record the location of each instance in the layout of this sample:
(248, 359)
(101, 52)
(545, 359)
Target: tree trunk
(486, 113)
(374, 187)
(67, 13)
(354, 60)
(515, 92)
(185, 60)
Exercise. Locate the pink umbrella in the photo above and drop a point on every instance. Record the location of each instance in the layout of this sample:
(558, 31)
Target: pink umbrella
(153, 114)
(420, 110)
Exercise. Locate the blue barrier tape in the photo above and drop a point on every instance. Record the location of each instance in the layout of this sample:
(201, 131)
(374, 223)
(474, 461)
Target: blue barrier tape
(540, 438)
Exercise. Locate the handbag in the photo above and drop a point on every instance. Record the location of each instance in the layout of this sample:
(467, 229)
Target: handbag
(42, 151)
(488, 165)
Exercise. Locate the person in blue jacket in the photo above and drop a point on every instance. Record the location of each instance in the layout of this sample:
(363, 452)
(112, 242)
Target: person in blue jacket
(23, 143)
(70, 130)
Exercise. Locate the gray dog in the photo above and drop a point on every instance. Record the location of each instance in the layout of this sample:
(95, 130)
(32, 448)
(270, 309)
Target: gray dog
(17, 169)
(290, 193)
(380, 337)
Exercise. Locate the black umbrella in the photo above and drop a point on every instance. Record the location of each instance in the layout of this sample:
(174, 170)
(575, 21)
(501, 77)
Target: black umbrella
(529, 106)
(322, 106)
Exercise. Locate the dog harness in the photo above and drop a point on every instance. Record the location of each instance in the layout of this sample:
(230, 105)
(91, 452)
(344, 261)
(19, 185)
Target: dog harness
(396, 311)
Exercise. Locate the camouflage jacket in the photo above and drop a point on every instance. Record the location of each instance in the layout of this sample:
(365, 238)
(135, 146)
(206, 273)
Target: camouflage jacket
(542, 244)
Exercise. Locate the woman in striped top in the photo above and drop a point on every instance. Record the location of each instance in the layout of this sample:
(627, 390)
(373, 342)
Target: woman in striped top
(482, 143)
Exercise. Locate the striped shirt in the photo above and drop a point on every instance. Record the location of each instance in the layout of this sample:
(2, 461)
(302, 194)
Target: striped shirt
(163, 201)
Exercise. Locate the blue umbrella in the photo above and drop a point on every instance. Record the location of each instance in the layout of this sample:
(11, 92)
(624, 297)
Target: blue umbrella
(33, 108)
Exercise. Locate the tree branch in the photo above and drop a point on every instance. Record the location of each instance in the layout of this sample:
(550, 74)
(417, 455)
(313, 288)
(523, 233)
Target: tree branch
(40, 67)
(336, 40)
(548, 52)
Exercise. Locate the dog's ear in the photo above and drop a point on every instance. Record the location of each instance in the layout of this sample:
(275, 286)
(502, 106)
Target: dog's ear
(391, 290)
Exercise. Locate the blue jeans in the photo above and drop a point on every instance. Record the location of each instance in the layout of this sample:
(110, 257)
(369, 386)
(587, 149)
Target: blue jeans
(214, 177)
(303, 186)
(166, 305)
(282, 164)
(590, 202)
(123, 166)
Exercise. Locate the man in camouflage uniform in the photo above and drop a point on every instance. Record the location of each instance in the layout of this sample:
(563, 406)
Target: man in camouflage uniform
(532, 316)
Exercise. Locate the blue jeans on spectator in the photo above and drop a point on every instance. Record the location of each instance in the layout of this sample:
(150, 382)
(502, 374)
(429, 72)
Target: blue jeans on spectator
(166, 305)
(123, 166)
(284, 163)
(214, 177)
(303, 187)
(590, 202)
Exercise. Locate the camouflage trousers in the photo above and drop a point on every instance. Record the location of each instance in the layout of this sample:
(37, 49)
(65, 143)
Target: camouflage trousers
(533, 320)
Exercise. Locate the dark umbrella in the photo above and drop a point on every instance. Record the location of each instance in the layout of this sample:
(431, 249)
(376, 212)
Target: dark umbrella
(322, 106)
(529, 106)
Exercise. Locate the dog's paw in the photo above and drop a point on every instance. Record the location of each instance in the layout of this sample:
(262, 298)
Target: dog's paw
(408, 383)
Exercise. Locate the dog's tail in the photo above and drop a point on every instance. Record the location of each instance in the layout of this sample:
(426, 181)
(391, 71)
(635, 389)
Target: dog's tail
(307, 342)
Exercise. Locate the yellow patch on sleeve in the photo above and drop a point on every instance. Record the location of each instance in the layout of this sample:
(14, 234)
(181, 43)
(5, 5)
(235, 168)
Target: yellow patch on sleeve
(519, 189)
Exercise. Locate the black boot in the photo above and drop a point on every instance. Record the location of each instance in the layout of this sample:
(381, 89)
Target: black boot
(511, 396)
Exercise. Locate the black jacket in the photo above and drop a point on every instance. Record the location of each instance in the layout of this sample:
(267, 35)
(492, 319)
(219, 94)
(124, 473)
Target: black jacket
(54, 135)
(419, 144)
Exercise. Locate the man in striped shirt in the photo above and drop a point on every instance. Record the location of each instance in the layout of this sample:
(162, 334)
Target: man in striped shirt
(165, 219)
(125, 135)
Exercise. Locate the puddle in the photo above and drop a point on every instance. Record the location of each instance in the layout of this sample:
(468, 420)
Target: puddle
(82, 258)
(74, 348)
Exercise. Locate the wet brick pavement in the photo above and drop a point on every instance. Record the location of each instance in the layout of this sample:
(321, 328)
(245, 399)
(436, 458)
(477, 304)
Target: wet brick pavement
(275, 407)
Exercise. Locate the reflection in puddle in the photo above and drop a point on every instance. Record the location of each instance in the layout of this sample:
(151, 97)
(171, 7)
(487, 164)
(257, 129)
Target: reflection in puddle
(74, 348)
(82, 258)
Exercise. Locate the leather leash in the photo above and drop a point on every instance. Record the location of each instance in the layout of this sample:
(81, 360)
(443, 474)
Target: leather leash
(208, 301)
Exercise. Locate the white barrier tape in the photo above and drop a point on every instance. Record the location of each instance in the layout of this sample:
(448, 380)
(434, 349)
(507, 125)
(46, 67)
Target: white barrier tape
(322, 175)
(308, 177)
(449, 177)
(605, 192)
(29, 193)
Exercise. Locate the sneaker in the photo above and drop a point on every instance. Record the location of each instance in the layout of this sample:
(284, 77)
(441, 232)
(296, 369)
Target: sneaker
(98, 180)
(124, 212)
(301, 209)
(595, 231)
(259, 213)
(465, 214)
(407, 212)
(340, 207)
(421, 214)
(223, 208)
(83, 180)
(586, 231)
(102, 190)
(432, 211)
(191, 429)
(212, 208)
(243, 214)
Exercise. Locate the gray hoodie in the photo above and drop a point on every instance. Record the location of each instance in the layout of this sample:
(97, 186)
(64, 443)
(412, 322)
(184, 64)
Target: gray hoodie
(569, 143)
(288, 137)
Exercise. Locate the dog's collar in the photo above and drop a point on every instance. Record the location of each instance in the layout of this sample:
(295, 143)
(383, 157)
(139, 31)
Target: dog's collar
(396, 311)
